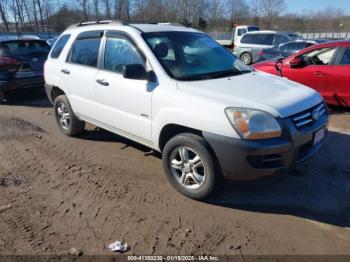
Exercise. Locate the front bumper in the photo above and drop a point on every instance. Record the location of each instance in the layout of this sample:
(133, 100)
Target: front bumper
(241, 159)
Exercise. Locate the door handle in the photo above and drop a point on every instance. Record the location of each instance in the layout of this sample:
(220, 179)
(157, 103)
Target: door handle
(319, 73)
(102, 82)
(65, 71)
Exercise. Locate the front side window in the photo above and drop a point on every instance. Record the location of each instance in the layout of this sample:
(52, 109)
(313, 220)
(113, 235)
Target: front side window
(321, 56)
(193, 56)
(58, 47)
(85, 51)
(280, 39)
(119, 52)
(346, 58)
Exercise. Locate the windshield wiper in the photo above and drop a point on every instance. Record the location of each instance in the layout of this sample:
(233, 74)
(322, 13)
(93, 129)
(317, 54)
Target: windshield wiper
(214, 75)
(228, 73)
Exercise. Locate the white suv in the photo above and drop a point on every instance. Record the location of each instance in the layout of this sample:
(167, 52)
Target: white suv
(177, 91)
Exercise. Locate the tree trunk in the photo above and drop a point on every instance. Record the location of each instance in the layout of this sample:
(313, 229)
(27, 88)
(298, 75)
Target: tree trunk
(35, 16)
(3, 17)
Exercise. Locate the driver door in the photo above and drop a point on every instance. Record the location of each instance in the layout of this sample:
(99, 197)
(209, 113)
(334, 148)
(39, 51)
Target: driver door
(123, 105)
(314, 72)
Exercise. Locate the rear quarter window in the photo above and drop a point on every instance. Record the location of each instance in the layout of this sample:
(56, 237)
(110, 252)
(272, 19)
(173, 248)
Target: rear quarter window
(58, 47)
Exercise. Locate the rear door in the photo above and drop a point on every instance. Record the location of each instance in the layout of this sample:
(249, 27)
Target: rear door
(79, 72)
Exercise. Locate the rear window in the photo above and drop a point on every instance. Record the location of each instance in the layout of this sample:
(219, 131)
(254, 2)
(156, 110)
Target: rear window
(58, 47)
(24, 47)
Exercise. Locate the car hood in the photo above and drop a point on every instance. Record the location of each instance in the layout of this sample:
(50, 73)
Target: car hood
(257, 90)
(265, 63)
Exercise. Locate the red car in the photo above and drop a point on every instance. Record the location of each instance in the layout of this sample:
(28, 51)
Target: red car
(324, 67)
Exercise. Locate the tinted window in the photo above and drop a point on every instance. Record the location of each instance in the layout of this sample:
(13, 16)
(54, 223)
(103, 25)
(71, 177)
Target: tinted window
(247, 39)
(258, 39)
(280, 39)
(346, 58)
(24, 47)
(253, 28)
(120, 52)
(241, 32)
(85, 51)
(58, 47)
(292, 47)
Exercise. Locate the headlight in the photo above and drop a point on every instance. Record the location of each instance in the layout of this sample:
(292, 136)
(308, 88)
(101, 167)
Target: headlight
(253, 124)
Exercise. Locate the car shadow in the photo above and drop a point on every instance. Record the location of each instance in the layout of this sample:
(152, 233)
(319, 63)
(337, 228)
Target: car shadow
(318, 189)
(102, 135)
(28, 97)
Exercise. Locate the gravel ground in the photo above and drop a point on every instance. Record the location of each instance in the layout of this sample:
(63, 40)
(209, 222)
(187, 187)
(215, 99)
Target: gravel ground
(59, 192)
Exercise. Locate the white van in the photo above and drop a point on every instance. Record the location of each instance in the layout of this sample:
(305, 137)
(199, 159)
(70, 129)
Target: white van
(177, 91)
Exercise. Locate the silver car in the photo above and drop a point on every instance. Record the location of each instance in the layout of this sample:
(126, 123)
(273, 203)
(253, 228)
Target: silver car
(249, 46)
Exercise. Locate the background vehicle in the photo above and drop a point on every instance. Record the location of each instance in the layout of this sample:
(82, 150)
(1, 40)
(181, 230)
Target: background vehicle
(283, 50)
(170, 88)
(249, 46)
(229, 40)
(21, 64)
(324, 67)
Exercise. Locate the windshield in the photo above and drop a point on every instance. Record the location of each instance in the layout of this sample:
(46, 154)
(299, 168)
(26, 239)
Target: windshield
(193, 56)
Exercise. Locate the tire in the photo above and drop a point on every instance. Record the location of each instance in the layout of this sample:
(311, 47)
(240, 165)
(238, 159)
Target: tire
(69, 124)
(247, 58)
(194, 178)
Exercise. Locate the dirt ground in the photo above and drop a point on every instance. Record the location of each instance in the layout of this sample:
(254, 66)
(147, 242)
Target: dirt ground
(58, 192)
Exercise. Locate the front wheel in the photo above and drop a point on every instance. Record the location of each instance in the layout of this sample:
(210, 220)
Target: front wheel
(190, 166)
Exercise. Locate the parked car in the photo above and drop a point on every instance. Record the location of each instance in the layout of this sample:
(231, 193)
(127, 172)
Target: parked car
(229, 40)
(249, 46)
(21, 64)
(283, 50)
(177, 91)
(324, 67)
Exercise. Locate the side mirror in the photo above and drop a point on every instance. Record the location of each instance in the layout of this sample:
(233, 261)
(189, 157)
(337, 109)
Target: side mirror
(296, 62)
(135, 71)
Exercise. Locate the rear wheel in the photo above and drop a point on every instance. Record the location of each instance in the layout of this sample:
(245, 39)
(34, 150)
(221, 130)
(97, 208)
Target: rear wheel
(69, 124)
(190, 167)
(247, 58)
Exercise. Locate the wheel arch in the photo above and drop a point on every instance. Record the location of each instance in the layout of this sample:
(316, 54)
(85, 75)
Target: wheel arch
(171, 130)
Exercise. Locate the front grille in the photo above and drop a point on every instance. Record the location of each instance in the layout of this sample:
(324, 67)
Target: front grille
(309, 116)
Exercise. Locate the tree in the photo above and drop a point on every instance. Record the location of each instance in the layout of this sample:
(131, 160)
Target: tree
(202, 24)
(3, 15)
(269, 10)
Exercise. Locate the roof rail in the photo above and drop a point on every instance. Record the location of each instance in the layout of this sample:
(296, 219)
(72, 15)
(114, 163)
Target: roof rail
(98, 22)
(171, 23)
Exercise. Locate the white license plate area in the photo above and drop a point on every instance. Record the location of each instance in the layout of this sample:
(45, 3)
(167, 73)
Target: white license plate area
(319, 135)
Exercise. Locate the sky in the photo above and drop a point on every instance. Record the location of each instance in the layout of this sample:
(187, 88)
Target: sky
(300, 5)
